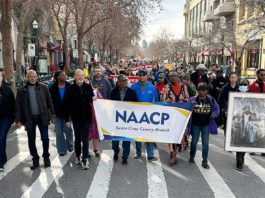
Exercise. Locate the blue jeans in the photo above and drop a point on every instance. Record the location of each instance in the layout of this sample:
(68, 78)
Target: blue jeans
(64, 136)
(81, 130)
(36, 121)
(195, 134)
(5, 125)
(125, 147)
(149, 148)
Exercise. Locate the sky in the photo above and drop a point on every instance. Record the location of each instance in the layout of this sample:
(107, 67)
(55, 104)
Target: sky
(170, 18)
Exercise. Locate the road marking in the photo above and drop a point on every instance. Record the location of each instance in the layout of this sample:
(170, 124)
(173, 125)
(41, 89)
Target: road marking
(257, 169)
(13, 163)
(214, 180)
(46, 178)
(156, 180)
(100, 184)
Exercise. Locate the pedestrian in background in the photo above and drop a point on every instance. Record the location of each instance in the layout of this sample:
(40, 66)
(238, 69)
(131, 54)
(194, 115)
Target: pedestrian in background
(231, 86)
(122, 93)
(99, 82)
(79, 97)
(34, 108)
(7, 113)
(258, 86)
(64, 135)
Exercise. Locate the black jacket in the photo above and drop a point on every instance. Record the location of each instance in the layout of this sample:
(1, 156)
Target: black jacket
(58, 104)
(7, 102)
(78, 102)
(44, 100)
(129, 96)
(194, 78)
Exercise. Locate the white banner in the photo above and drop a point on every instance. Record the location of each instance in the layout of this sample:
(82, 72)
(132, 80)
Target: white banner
(31, 49)
(145, 122)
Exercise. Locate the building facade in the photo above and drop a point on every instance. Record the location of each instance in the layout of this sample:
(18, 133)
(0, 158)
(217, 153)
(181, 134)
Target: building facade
(208, 27)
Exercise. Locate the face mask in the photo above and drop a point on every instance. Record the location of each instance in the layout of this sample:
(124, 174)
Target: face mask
(243, 88)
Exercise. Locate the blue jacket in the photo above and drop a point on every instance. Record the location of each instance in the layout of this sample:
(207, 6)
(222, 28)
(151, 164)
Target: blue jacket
(149, 95)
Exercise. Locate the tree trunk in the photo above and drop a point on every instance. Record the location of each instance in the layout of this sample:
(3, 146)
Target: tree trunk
(80, 51)
(102, 53)
(7, 42)
(19, 52)
(66, 55)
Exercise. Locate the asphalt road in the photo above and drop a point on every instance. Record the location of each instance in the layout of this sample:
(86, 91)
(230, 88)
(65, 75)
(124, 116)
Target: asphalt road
(139, 178)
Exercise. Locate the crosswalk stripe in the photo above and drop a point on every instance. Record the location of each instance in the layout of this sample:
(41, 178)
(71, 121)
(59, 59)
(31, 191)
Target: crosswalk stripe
(46, 177)
(13, 163)
(214, 180)
(100, 184)
(156, 180)
(254, 167)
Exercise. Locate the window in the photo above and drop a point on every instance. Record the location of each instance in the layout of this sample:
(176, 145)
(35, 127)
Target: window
(253, 58)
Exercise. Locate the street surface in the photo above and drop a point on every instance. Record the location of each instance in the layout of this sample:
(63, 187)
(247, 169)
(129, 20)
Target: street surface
(139, 178)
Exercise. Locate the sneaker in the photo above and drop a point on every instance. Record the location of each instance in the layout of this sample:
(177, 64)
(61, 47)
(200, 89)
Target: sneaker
(115, 157)
(205, 165)
(2, 168)
(77, 161)
(124, 161)
(47, 162)
(85, 164)
(34, 165)
(62, 154)
(191, 160)
(263, 154)
(239, 167)
(252, 154)
(137, 156)
(70, 150)
(151, 159)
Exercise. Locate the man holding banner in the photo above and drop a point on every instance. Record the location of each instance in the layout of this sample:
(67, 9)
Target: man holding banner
(146, 92)
(122, 93)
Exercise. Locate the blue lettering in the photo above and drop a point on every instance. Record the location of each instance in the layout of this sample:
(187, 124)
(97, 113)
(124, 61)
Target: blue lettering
(165, 117)
(122, 117)
(132, 118)
(144, 118)
(152, 118)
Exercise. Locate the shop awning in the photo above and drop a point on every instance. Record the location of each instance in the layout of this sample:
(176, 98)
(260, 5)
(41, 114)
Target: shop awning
(202, 53)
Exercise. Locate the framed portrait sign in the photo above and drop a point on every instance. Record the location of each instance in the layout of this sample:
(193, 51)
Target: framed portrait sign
(245, 131)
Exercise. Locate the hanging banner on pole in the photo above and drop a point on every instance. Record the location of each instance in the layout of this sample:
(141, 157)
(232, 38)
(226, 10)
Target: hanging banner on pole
(144, 122)
(31, 49)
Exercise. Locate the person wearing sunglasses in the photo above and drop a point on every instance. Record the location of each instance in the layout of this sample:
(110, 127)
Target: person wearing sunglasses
(146, 92)
(258, 86)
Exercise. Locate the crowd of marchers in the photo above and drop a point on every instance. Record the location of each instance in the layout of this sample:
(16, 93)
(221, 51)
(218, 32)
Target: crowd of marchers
(70, 108)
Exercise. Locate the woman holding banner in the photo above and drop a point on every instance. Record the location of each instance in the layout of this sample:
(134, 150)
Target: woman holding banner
(176, 91)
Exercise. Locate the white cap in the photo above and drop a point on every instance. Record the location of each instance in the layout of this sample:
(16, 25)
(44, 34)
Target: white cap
(201, 66)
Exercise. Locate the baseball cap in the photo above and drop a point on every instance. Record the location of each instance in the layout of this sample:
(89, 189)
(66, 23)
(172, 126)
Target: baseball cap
(142, 71)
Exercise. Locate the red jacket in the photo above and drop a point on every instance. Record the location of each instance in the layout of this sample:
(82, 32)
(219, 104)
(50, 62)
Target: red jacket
(254, 87)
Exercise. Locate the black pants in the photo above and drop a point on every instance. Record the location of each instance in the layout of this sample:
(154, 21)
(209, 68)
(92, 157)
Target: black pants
(240, 158)
(36, 121)
(81, 131)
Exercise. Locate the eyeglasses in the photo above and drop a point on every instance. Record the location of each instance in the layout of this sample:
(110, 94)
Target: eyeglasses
(262, 74)
(141, 74)
(243, 85)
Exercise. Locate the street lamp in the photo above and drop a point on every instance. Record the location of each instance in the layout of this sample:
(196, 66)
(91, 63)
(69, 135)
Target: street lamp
(190, 40)
(35, 26)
